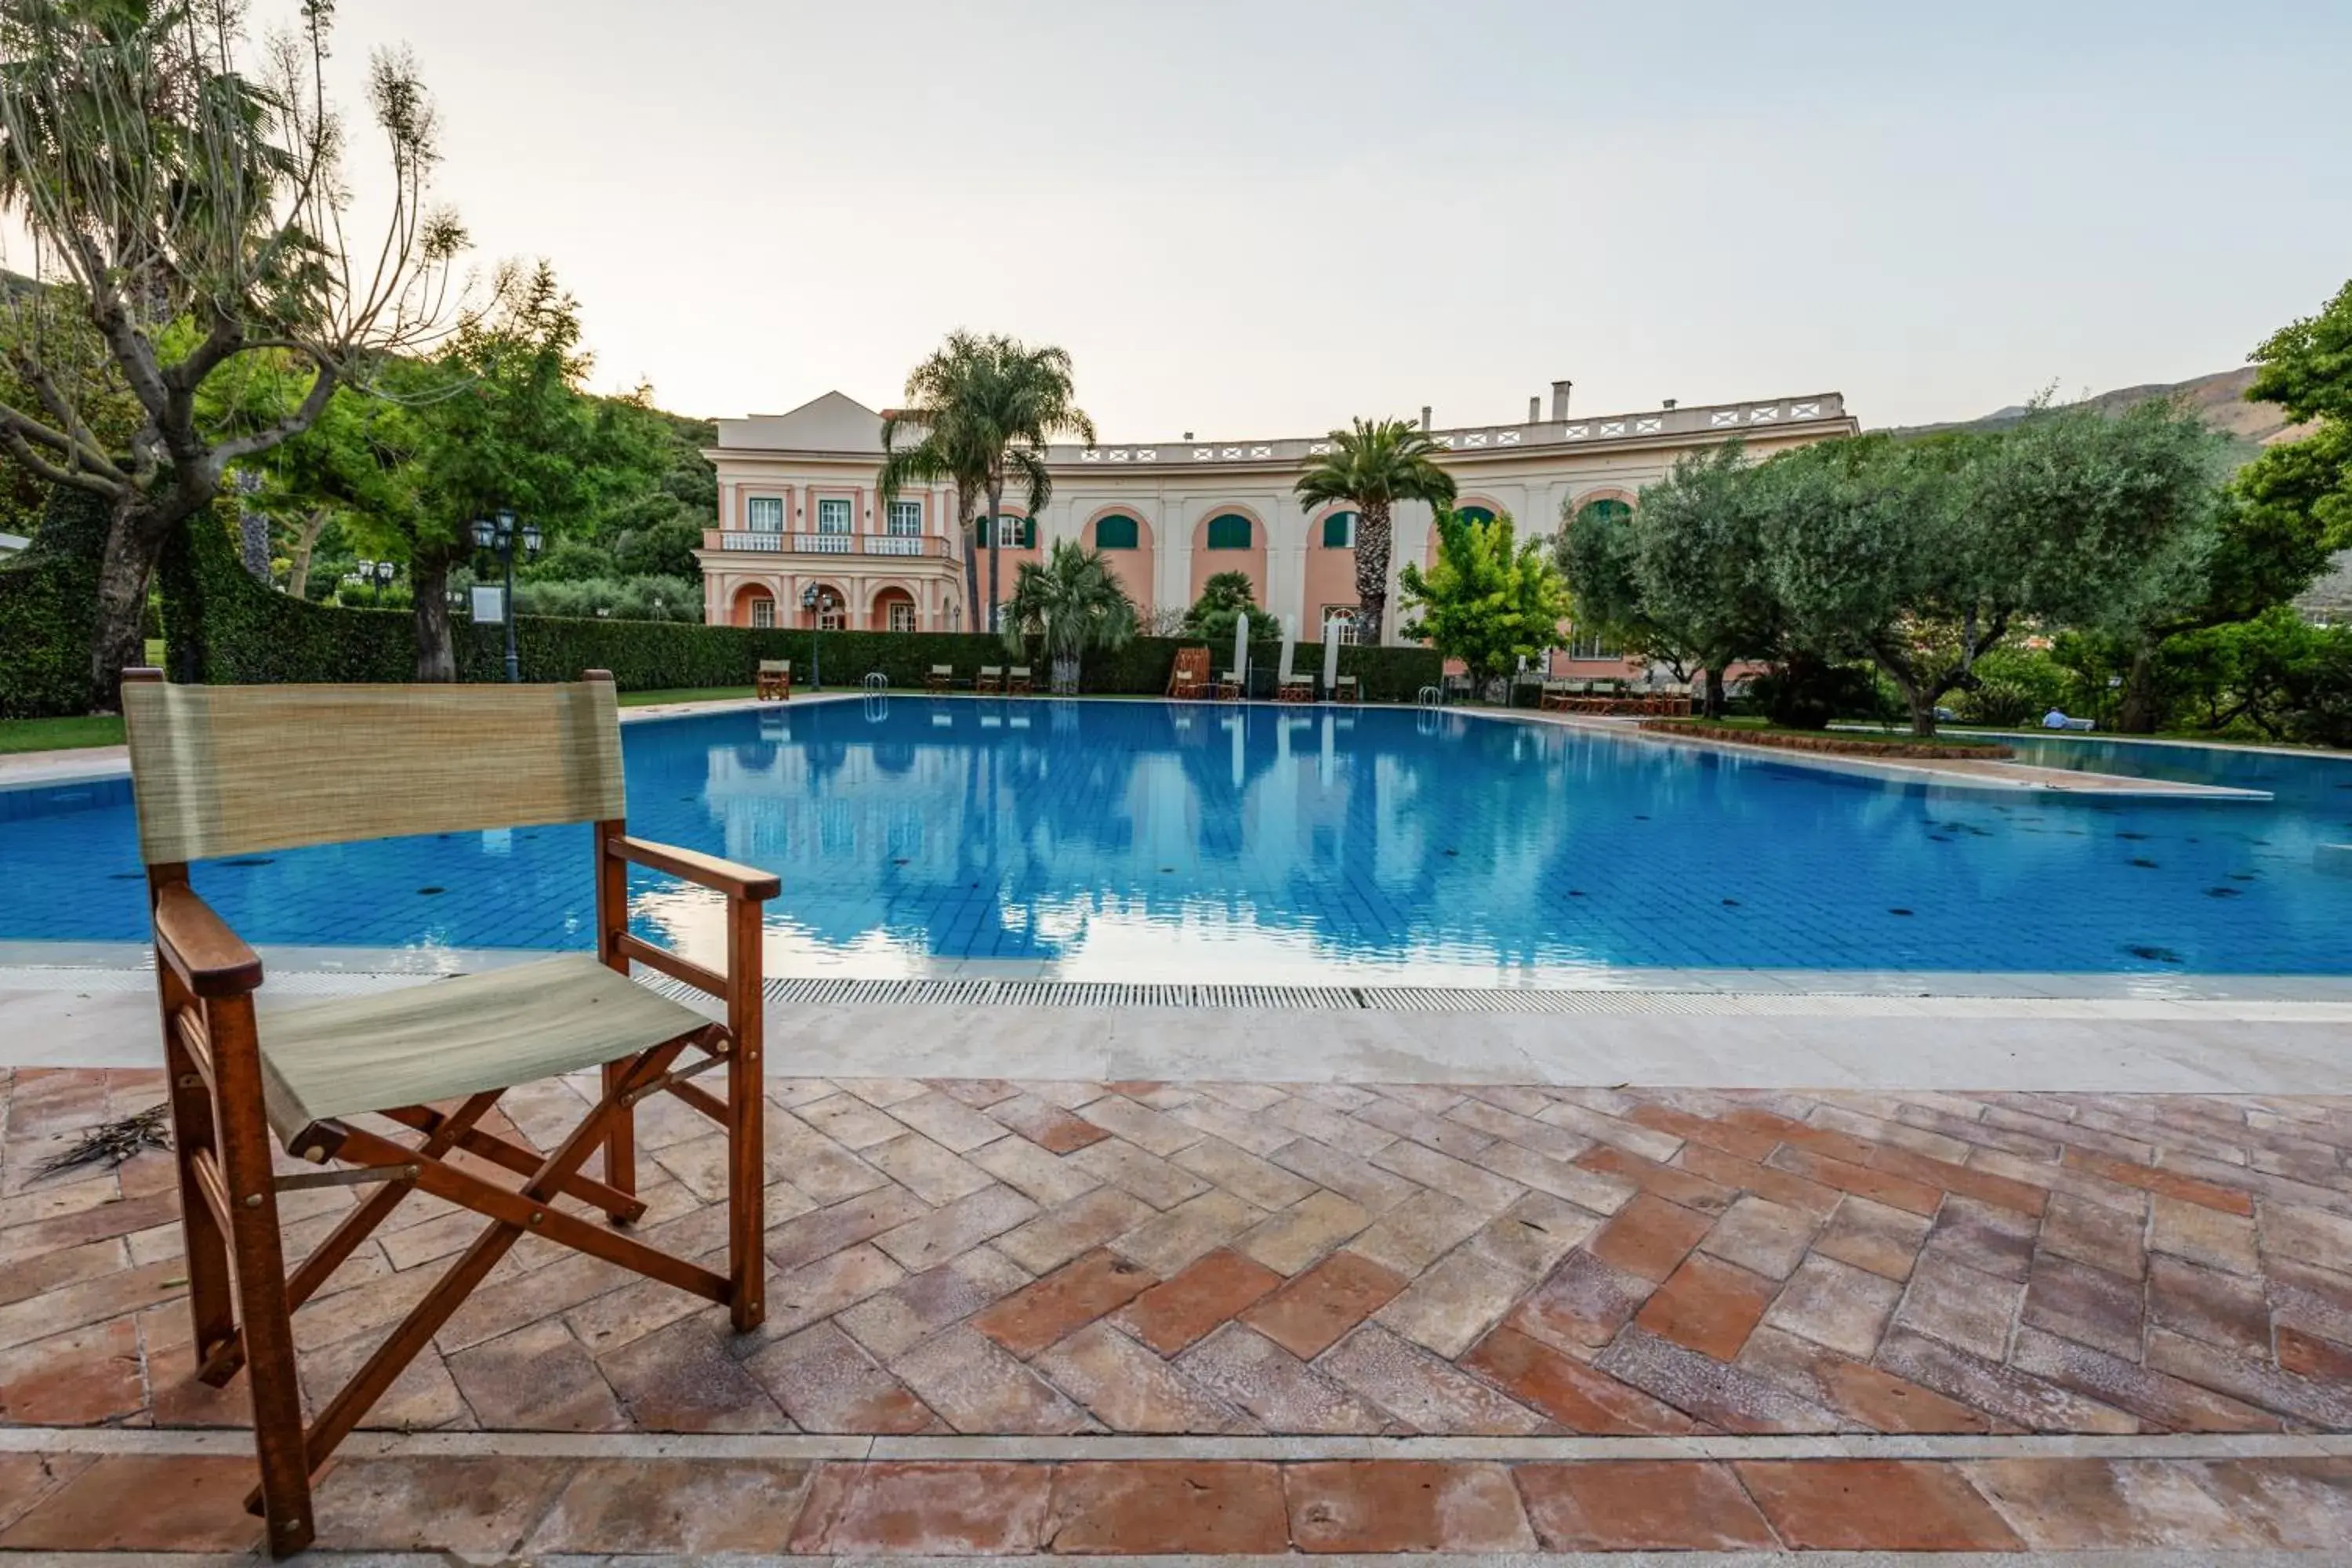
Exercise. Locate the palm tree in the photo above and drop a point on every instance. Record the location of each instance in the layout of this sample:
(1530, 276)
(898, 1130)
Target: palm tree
(986, 407)
(1373, 466)
(1073, 603)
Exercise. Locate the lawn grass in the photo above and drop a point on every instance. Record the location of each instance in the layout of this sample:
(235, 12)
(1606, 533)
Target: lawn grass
(60, 734)
(2186, 737)
(688, 694)
(1852, 729)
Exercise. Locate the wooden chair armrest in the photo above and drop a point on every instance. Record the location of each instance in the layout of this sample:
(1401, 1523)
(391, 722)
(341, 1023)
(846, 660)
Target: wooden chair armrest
(703, 871)
(200, 948)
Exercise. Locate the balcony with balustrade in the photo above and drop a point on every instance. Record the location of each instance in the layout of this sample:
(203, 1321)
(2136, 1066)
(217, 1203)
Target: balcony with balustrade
(770, 544)
(893, 580)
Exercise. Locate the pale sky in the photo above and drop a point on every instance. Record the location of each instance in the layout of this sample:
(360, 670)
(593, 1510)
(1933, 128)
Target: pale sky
(1257, 219)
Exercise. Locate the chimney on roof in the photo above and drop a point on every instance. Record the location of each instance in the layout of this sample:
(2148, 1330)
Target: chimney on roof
(1188, 435)
(1425, 415)
(1535, 410)
(1670, 405)
(1559, 398)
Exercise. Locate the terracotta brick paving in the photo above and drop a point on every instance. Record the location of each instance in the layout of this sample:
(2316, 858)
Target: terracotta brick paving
(991, 1258)
(488, 1507)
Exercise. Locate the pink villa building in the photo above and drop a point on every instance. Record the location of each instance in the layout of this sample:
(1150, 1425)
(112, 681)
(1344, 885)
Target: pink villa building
(798, 509)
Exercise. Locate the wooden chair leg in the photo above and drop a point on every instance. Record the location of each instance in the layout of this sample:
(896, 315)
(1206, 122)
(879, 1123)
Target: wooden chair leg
(211, 1301)
(263, 1311)
(619, 1141)
(746, 1143)
(612, 922)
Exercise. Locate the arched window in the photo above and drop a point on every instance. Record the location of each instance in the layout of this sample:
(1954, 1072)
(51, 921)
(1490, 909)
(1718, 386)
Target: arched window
(1116, 532)
(1231, 532)
(1339, 531)
(1607, 510)
(1474, 514)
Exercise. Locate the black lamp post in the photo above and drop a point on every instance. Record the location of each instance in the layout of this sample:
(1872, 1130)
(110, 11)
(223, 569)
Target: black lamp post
(383, 574)
(498, 533)
(817, 601)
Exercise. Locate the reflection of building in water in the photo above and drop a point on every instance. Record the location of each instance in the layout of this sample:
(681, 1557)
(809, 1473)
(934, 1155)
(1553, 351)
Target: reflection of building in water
(944, 826)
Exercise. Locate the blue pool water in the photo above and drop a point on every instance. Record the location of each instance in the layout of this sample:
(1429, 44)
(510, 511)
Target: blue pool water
(1144, 839)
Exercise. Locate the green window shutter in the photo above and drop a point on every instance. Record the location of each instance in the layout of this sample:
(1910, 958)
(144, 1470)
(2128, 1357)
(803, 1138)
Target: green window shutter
(1475, 514)
(1339, 531)
(1605, 510)
(1115, 534)
(1229, 532)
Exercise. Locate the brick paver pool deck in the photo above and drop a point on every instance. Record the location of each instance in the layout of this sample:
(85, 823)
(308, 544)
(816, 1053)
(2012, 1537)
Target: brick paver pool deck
(1162, 1318)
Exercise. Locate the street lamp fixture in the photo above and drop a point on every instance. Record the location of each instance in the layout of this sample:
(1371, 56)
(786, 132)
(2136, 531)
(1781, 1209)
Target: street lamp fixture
(384, 572)
(816, 600)
(498, 532)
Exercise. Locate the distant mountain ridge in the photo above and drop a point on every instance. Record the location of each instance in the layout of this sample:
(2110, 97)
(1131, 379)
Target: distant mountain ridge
(2219, 400)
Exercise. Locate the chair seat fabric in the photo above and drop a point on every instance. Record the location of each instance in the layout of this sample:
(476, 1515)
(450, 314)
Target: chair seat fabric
(456, 1038)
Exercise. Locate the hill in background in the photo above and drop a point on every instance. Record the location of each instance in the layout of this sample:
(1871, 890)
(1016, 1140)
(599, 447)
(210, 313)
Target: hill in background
(2218, 399)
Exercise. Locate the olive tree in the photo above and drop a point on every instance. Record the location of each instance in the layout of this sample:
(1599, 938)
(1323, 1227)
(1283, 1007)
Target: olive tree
(183, 188)
(1703, 583)
(1924, 556)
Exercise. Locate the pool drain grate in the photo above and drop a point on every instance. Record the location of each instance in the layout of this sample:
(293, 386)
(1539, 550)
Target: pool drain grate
(852, 993)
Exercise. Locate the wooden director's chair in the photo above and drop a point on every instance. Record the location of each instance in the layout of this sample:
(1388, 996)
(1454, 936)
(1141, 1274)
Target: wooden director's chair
(223, 771)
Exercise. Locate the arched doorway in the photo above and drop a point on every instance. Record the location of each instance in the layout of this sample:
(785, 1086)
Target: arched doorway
(1331, 574)
(832, 612)
(753, 606)
(1127, 544)
(894, 611)
(1230, 539)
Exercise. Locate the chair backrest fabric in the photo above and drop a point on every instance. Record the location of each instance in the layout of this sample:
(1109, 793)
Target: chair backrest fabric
(775, 667)
(232, 770)
(943, 669)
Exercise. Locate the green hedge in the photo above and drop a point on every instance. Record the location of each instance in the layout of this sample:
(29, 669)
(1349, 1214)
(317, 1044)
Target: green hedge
(225, 627)
(1386, 674)
(49, 609)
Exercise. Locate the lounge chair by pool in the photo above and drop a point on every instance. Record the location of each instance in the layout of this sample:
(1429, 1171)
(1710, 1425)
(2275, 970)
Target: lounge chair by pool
(1190, 677)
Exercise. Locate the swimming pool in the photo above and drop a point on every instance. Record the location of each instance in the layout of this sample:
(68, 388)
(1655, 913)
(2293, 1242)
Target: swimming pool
(1149, 840)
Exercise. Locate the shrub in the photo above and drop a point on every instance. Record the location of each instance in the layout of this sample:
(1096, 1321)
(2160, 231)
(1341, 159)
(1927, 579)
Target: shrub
(48, 598)
(2014, 686)
(1806, 694)
(621, 598)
